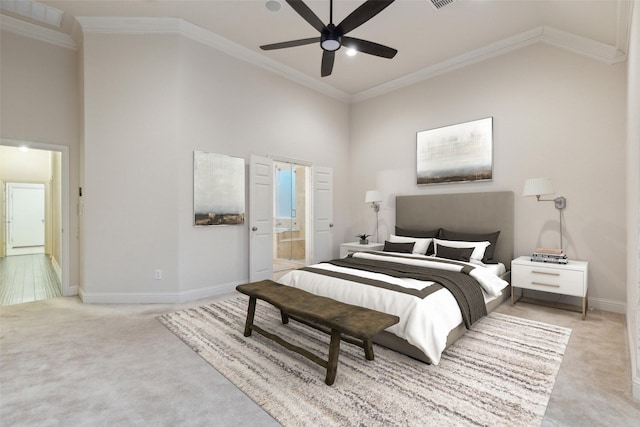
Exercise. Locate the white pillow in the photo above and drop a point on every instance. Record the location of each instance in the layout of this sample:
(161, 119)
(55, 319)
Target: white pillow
(420, 247)
(478, 247)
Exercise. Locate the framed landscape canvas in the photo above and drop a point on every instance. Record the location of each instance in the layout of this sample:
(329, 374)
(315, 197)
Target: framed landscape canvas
(457, 153)
(218, 189)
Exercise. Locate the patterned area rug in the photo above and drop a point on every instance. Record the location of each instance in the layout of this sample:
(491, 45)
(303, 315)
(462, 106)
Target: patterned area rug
(501, 372)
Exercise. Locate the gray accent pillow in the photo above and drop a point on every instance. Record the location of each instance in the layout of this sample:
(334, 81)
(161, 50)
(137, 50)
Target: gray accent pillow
(456, 254)
(398, 247)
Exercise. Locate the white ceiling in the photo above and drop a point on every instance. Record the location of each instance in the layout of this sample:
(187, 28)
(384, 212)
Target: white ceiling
(428, 41)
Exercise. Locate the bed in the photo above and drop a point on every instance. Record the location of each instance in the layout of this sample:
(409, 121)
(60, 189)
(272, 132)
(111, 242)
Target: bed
(472, 236)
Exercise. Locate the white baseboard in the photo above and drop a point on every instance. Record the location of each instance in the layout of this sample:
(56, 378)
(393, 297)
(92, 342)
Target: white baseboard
(157, 297)
(635, 387)
(619, 307)
(56, 267)
(30, 250)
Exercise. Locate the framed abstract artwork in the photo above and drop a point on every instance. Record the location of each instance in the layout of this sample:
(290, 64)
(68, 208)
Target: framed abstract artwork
(456, 153)
(218, 189)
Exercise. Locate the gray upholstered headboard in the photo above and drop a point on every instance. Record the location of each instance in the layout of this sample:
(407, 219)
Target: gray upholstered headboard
(464, 212)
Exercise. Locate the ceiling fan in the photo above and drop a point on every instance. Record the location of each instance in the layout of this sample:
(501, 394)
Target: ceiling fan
(332, 37)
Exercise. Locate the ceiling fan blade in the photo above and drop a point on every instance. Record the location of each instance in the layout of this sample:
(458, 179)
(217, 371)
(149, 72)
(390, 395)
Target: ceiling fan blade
(327, 63)
(292, 43)
(362, 14)
(308, 15)
(371, 48)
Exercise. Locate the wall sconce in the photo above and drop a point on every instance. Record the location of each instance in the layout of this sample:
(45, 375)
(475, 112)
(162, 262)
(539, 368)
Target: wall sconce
(374, 197)
(542, 187)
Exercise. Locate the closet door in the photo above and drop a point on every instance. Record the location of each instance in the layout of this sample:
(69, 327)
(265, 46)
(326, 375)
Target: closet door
(260, 218)
(322, 213)
(25, 218)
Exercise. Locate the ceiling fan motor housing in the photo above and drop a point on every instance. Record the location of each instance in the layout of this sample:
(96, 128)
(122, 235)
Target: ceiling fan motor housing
(330, 39)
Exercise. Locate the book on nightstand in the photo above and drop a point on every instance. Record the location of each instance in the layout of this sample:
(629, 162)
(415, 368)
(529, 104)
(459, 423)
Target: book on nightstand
(555, 256)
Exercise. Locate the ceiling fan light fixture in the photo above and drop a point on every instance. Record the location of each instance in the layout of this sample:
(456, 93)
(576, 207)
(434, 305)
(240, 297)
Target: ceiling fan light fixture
(333, 36)
(351, 52)
(330, 42)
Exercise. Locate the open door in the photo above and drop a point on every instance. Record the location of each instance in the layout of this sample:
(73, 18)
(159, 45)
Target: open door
(322, 214)
(260, 218)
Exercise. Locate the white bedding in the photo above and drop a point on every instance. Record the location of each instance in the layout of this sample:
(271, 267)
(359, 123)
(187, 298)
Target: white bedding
(425, 323)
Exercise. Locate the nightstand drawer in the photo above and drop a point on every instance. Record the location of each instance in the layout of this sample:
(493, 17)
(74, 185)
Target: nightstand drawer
(549, 279)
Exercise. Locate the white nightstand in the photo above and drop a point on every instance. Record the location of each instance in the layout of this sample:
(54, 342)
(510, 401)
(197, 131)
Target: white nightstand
(349, 248)
(565, 279)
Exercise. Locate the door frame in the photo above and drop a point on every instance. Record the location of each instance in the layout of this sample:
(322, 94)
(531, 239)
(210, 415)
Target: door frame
(64, 233)
(308, 189)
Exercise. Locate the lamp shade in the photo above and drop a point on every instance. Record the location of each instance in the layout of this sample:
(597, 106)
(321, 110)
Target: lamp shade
(373, 196)
(538, 187)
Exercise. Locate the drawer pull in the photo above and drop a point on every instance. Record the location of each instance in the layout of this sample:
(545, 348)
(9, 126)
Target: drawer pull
(545, 284)
(545, 272)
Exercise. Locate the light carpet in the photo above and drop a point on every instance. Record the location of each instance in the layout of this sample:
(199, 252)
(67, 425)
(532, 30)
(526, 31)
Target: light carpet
(501, 372)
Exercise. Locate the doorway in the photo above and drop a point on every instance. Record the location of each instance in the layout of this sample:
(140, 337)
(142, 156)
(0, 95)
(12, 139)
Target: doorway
(291, 206)
(34, 245)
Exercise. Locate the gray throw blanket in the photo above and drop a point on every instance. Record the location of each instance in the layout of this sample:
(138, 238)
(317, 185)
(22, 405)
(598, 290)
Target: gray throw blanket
(464, 288)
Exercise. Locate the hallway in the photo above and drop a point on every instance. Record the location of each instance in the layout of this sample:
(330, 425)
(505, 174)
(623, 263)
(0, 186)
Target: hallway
(27, 278)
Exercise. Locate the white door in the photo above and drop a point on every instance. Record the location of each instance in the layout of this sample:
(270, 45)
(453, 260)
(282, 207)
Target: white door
(260, 219)
(322, 214)
(25, 218)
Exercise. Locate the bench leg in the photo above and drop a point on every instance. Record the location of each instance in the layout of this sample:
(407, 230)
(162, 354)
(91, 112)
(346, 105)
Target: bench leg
(284, 317)
(368, 349)
(334, 351)
(250, 314)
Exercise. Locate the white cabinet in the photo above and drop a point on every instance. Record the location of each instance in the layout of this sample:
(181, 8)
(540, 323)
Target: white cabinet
(349, 248)
(565, 279)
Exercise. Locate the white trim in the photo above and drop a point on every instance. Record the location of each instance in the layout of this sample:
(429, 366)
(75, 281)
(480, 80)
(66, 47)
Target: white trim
(125, 25)
(576, 44)
(158, 297)
(619, 307)
(37, 32)
(495, 49)
(582, 46)
(56, 268)
(67, 288)
(623, 30)
(166, 25)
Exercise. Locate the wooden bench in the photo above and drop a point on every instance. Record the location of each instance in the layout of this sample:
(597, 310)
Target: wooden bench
(350, 323)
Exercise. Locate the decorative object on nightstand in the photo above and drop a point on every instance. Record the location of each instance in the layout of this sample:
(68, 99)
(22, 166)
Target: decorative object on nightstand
(349, 248)
(374, 197)
(554, 256)
(542, 187)
(363, 238)
(564, 279)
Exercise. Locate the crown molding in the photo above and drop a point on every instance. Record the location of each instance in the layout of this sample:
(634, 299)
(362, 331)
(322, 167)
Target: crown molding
(582, 46)
(577, 44)
(27, 29)
(495, 49)
(166, 25)
(177, 26)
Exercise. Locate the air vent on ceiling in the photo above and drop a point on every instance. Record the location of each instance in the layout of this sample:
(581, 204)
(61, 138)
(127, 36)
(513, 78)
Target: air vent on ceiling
(439, 4)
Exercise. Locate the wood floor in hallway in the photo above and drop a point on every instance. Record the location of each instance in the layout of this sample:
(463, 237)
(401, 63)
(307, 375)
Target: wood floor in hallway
(27, 278)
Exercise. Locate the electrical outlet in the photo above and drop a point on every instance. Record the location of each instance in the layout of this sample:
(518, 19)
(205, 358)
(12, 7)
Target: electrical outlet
(158, 274)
